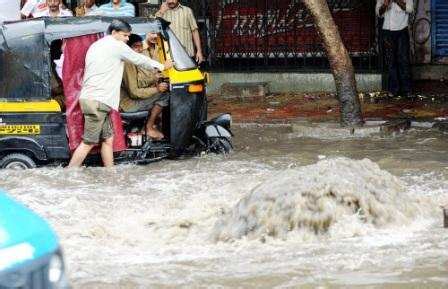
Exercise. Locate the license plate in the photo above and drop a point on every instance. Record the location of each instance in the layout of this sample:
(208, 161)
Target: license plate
(21, 129)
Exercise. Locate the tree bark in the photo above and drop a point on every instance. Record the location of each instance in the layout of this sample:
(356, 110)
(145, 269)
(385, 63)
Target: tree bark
(340, 62)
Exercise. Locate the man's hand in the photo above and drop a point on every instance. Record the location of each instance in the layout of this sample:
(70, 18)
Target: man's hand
(401, 3)
(158, 75)
(162, 87)
(385, 6)
(163, 8)
(168, 64)
(199, 57)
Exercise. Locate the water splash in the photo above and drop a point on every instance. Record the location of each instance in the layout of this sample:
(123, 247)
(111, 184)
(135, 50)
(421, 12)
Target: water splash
(319, 200)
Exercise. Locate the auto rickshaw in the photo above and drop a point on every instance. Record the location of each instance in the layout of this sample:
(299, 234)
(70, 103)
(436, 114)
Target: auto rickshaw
(36, 131)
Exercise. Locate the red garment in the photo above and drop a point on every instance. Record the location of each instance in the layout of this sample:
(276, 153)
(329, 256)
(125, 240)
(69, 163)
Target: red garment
(72, 75)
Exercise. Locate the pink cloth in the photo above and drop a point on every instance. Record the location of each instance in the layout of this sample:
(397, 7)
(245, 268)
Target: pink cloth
(72, 74)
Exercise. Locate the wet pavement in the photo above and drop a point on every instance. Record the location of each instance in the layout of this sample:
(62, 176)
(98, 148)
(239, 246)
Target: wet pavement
(429, 101)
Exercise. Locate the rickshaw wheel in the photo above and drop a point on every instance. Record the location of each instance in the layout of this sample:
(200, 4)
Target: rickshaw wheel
(220, 145)
(17, 161)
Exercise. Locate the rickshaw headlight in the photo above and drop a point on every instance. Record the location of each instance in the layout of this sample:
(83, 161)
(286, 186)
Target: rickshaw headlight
(195, 88)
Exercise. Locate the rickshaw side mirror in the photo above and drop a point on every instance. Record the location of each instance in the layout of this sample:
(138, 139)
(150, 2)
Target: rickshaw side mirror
(165, 24)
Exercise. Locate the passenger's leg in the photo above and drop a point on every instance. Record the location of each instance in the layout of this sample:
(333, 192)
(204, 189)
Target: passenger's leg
(151, 129)
(107, 152)
(80, 154)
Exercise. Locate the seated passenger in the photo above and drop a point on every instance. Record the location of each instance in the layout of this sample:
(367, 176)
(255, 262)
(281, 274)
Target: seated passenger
(57, 56)
(141, 89)
(116, 8)
(54, 9)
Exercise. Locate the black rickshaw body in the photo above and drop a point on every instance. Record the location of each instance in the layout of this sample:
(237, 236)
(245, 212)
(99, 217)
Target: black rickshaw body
(33, 128)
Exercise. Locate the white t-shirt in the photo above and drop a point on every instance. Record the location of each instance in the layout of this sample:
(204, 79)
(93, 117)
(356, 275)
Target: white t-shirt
(395, 18)
(59, 63)
(104, 69)
(10, 10)
(46, 12)
(33, 7)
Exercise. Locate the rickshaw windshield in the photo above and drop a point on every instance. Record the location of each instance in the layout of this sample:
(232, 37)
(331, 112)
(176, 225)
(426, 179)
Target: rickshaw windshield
(182, 61)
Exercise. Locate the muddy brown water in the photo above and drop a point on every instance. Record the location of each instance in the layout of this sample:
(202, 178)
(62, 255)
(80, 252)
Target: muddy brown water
(153, 226)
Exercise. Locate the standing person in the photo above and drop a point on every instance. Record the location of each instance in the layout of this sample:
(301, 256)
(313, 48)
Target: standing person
(396, 43)
(32, 7)
(54, 9)
(117, 8)
(10, 10)
(184, 26)
(87, 8)
(100, 91)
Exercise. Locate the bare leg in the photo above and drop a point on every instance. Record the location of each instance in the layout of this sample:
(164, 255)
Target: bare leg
(107, 152)
(151, 129)
(80, 154)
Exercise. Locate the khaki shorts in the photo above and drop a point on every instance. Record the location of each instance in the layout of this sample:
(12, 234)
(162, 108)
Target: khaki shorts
(97, 124)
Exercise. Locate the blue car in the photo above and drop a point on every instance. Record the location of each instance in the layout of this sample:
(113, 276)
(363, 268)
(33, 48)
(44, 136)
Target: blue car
(30, 256)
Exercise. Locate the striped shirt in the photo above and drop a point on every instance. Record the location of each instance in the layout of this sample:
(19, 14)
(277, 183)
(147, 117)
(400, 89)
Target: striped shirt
(126, 10)
(104, 70)
(183, 24)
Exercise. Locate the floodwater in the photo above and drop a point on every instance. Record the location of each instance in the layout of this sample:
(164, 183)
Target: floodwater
(315, 212)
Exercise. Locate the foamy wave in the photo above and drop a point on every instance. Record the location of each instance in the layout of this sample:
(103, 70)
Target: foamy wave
(333, 197)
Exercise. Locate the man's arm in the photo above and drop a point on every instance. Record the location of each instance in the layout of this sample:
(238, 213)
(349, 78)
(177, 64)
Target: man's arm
(163, 8)
(28, 8)
(129, 55)
(197, 44)
(405, 5)
(195, 35)
(381, 7)
(131, 85)
(401, 3)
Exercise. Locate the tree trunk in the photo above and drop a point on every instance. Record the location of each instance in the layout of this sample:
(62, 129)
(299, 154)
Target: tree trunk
(340, 62)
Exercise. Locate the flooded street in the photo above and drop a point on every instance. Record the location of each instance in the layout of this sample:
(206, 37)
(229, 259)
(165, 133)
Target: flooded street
(156, 226)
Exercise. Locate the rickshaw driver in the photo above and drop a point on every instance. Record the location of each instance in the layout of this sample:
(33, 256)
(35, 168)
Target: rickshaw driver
(143, 90)
(100, 91)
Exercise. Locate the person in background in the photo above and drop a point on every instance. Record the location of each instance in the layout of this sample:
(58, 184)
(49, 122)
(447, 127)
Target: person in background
(141, 89)
(32, 7)
(57, 90)
(117, 8)
(100, 91)
(184, 26)
(10, 10)
(396, 43)
(54, 9)
(86, 8)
